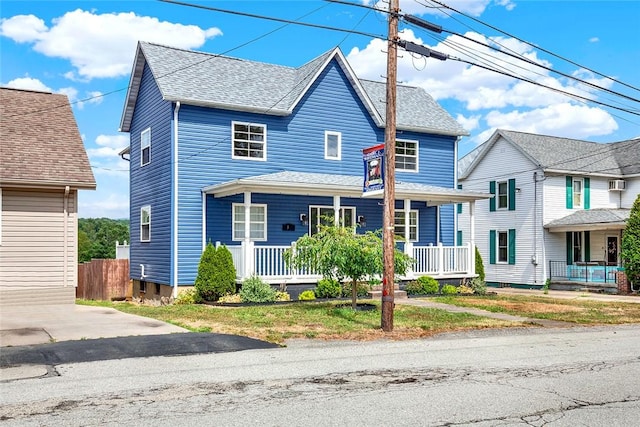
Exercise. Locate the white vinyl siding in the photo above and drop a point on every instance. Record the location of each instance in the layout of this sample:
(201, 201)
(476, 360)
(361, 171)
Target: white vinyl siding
(332, 145)
(32, 254)
(145, 147)
(406, 156)
(249, 141)
(257, 222)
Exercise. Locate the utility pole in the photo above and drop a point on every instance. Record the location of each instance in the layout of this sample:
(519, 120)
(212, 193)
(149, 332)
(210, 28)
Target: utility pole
(388, 220)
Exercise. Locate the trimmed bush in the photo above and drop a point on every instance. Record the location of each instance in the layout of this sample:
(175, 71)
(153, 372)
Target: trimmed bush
(307, 295)
(206, 272)
(282, 296)
(255, 290)
(187, 297)
(449, 290)
(429, 284)
(216, 273)
(362, 289)
(414, 288)
(233, 298)
(464, 289)
(479, 265)
(225, 274)
(328, 288)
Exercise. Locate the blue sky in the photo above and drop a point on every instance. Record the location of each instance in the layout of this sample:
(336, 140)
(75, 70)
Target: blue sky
(85, 50)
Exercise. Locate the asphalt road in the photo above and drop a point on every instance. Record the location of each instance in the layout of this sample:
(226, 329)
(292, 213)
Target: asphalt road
(528, 377)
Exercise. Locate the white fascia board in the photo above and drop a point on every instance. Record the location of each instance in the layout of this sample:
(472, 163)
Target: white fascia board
(230, 107)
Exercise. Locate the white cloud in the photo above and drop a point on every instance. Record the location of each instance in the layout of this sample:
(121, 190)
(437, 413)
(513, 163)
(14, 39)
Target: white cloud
(594, 40)
(469, 123)
(113, 141)
(28, 83)
(415, 7)
(98, 204)
(107, 45)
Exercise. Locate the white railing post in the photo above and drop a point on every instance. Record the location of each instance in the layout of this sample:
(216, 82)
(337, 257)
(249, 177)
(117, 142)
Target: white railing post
(472, 258)
(293, 272)
(408, 250)
(440, 259)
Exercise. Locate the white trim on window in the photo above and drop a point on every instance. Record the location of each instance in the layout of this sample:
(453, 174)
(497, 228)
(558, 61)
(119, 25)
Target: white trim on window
(502, 248)
(145, 146)
(413, 224)
(502, 197)
(331, 153)
(248, 141)
(347, 216)
(577, 194)
(407, 155)
(145, 223)
(257, 219)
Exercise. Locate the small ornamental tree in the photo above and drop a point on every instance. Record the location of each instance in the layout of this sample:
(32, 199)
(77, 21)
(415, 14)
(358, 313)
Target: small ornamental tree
(630, 253)
(338, 253)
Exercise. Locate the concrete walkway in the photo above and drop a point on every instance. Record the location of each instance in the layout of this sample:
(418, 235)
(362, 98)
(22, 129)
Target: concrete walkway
(577, 295)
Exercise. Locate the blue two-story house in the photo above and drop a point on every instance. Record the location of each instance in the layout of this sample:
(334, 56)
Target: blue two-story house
(255, 155)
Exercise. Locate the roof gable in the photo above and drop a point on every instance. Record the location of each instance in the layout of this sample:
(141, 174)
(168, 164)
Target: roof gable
(41, 143)
(216, 81)
(552, 153)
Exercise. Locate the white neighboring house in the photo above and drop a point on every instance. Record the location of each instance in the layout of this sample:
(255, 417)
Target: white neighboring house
(559, 207)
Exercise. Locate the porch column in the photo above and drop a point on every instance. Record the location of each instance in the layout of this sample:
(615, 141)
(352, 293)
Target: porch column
(408, 246)
(438, 224)
(336, 211)
(248, 247)
(472, 232)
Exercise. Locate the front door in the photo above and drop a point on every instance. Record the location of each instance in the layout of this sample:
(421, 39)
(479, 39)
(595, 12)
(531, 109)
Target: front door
(612, 250)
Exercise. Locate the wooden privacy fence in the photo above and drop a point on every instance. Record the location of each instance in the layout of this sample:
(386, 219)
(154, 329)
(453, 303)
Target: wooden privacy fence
(103, 279)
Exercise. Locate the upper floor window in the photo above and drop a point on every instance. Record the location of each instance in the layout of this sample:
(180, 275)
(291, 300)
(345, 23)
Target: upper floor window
(332, 145)
(577, 192)
(145, 224)
(407, 156)
(249, 141)
(399, 225)
(257, 222)
(503, 195)
(503, 246)
(324, 215)
(145, 147)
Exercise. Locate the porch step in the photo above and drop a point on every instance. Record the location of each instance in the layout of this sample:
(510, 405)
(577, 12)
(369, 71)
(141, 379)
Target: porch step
(610, 288)
(376, 292)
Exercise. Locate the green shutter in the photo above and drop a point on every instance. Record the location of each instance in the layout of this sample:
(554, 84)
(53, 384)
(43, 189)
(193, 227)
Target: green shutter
(587, 192)
(587, 246)
(569, 248)
(492, 201)
(512, 194)
(569, 192)
(459, 238)
(512, 246)
(459, 204)
(492, 246)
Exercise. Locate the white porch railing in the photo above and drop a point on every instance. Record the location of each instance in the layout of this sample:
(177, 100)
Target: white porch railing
(268, 262)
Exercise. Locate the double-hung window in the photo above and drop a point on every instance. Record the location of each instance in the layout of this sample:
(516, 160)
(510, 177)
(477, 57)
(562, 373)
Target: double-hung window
(332, 145)
(399, 225)
(145, 147)
(324, 215)
(406, 156)
(503, 195)
(577, 192)
(257, 222)
(249, 141)
(503, 246)
(145, 224)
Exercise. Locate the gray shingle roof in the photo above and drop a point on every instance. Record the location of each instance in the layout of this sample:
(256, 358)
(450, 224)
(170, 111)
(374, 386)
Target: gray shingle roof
(288, 182)
(565, 154)
(39, 141)
(588, 217)
(205, 79)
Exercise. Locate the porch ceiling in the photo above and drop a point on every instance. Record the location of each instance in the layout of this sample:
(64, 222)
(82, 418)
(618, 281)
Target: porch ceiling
(317, 184)
(590, 219)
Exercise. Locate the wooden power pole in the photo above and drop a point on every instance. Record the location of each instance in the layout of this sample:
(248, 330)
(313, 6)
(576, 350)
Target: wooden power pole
(388, 235)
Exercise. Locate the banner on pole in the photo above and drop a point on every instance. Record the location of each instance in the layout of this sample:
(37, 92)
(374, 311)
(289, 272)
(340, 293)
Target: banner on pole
(373, 159)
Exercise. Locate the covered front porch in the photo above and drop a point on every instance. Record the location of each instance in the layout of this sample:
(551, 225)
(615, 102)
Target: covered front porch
(295, 201)
(592, 240)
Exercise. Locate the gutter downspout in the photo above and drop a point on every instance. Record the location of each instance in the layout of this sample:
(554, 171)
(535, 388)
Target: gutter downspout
(65, 249)
(534, 259)
(175, 200)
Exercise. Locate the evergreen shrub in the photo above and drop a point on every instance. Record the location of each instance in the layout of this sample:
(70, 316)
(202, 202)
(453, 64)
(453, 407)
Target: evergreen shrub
(255, 290)
(328, 288)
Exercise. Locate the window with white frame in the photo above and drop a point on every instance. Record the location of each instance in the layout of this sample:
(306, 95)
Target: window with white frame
(503, 195)
(145, 224)
(257, 222)
(578, 253)
(332, 145)
(503, 247)
(145, 147)
(407, 156)
(249, 141)
(577, 192)
(399, 225)
(325, 215)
